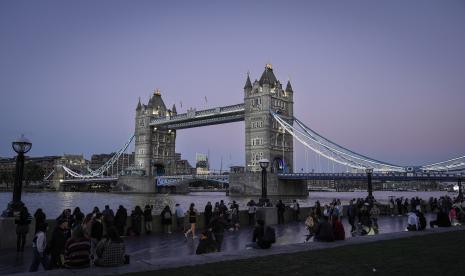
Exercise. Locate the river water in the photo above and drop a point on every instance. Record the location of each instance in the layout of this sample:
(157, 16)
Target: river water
(53, 203)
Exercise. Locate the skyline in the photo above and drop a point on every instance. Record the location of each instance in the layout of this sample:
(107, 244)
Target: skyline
(386, 80)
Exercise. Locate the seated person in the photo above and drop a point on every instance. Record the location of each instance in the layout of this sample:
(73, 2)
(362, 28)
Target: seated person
(338, 229)
(310, 223)
(421, 220)
(442, 220)
(412, 222)
(263, 237)
(110, 250)
(77, 250)
(206, 244)
(324, 231)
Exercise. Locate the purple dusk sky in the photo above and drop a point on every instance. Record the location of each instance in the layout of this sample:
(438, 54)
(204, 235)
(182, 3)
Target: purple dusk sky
(383, 78)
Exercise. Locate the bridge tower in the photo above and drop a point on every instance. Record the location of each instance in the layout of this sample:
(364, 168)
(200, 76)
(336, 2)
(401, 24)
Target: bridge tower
(263, 136)
(154, 147)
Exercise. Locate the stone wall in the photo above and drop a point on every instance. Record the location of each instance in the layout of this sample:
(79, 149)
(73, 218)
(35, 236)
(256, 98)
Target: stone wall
(136, 184)
(250, 184)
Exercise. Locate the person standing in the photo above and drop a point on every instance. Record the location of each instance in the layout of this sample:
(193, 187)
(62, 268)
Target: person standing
(252, 210)
(39, 217)
(281, 208)
(295, 210)
(78, 217)
(351, 214)
(192, 215)
(38, 248)
(57, 244)
(217, 226)
(148, 219)
(208, 212)
(374, 214)
(121, 219)
(136, 220)
(108, 217)
(179, 213)
(96, 232)
(22, 228)
(235, 216)
(166, 219)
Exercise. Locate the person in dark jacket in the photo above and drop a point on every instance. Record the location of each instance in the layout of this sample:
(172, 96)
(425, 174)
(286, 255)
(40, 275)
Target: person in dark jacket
(78, 217)
(259, 241)
(324, 231)
(136, 220)
(206, 244)
(217, 226)
(442, 219)
(22, 228)
(108, 217)
(166, 219)
(121, 219)
(208, 212)
(352, 214)
(39, 217)
(281, 208)
(56, 245)
(96, 232)
(148, 219)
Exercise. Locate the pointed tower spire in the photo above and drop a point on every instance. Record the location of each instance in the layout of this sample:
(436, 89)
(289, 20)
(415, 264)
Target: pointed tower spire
(139, 105)
(268, 76)
(173, 109)
(248, 83)
(289, 87)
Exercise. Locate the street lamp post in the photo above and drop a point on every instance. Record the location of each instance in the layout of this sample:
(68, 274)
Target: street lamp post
(370, 197)
(20, 146)
(264, 164)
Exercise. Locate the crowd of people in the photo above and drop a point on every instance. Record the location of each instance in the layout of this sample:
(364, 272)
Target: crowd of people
(80, 240)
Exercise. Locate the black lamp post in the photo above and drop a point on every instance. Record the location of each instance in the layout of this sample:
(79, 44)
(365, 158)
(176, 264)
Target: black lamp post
(370, 197)
(20, 146)
(264, 164)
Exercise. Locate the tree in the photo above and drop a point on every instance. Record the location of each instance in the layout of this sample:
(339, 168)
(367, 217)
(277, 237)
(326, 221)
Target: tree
(33, 172)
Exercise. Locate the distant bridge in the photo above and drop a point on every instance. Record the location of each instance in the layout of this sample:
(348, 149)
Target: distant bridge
(375, 176)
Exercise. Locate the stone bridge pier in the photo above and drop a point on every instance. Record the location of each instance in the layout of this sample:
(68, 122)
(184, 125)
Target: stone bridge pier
(249, 184)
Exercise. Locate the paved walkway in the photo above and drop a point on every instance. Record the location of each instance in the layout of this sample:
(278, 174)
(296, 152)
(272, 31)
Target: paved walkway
(154, 251)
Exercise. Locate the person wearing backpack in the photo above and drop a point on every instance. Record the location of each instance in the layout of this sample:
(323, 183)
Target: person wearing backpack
(166, 219)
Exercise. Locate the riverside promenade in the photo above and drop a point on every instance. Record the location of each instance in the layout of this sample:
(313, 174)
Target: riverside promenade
(159, 251)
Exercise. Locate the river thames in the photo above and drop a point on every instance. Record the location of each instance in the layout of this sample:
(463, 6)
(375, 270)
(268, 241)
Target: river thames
(53, 203)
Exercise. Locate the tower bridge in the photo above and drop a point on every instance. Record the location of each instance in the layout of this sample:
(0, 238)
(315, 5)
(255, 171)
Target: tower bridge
(270, 131)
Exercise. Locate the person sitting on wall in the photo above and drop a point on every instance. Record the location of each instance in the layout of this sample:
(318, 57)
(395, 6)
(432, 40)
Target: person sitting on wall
(324, 231)
(263, 237)
(206, 244)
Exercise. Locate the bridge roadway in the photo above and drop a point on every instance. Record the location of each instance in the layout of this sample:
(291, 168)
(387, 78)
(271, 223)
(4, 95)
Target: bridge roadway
(194, 118)
(168, 180)
(375, 176)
